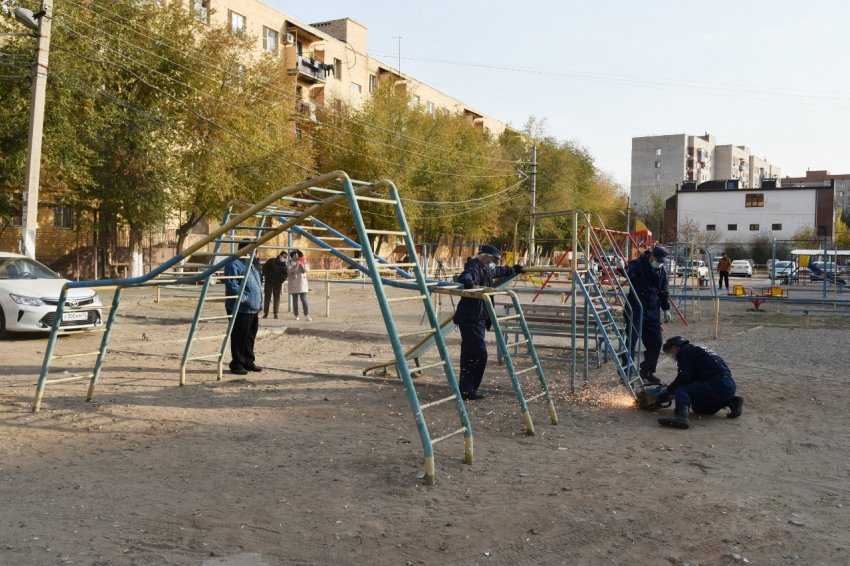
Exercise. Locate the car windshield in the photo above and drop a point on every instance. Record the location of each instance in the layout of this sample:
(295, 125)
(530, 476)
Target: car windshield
(24, 268)
(782, 264)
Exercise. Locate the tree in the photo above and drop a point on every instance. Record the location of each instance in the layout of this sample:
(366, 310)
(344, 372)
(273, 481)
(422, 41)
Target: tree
(805, 236)
(761, 248)
(689, 230)
(842, 233)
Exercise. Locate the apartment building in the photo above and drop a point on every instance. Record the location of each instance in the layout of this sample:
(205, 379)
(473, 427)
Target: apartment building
(738, 214)
(660, 163)
(842, 185)
(329, 59)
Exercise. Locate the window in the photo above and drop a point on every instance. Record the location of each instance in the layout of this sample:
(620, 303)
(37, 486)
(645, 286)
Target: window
(754, 227)
(356, 88)
(658, 176)
(338, 69)
(16, 218)
(776, 226)
(202, 11)
(822, 231)
(732, 227)
(373, 83)
(658, 165)
(755, 200)
(415, 101)
(269, 40)
(237, 23)
(431, 108)
(710, 227)
(658, 151)
(841, 193)
(299, 48)
(299, 92)
(63, 215)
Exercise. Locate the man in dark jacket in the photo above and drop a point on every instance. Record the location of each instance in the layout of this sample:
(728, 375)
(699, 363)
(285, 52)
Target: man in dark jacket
(703, 382)
(472, 319)
(274, 273)
(648, 280)
(246, 313)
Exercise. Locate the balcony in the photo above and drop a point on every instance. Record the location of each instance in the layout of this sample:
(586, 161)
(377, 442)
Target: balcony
(308, 69)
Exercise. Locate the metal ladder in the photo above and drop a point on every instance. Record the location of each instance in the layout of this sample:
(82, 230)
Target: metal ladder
(423, 295)
(487, 296)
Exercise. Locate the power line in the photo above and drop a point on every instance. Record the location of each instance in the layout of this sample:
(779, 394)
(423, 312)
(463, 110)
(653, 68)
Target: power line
(319, 140)
(207, 60)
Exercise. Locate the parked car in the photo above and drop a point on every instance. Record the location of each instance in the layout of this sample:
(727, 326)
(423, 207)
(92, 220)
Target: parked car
(29, 294)
(784, 268)
(741, 267)
(818, 268)
(693, 268)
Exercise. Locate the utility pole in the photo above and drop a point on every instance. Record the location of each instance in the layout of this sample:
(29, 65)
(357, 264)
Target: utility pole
(399, 53)
(29, 210)
(531, 246)
(629, 225)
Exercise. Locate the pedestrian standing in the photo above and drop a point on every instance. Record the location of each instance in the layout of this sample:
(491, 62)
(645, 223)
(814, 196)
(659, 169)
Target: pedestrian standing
(648, 280)
(297, 282)
(246, 314)
(275, 273)
(724, 266)
(472, 319)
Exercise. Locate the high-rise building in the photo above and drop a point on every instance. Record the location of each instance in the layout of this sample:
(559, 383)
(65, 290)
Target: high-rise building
(842, 185)
(660, 163)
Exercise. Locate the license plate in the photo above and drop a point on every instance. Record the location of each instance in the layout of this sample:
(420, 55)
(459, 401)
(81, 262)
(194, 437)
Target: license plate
(66, 316)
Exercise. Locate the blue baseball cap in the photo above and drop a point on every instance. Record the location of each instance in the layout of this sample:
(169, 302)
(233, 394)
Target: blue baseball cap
(490, 250)
(659, 252)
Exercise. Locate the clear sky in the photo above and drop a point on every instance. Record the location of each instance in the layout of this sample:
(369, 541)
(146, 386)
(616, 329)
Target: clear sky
(770, 75)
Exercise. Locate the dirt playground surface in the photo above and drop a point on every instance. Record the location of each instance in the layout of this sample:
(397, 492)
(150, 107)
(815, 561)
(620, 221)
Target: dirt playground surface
(297, 465)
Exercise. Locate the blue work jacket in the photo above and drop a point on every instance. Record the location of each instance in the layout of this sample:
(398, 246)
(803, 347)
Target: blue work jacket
(650, 285)
(697, 363)
(471, 311)
(252, 298)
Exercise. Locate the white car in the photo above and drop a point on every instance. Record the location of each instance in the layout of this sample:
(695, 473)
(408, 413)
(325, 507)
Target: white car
(741, 267)
(784, 268)
(29, 294)
(699, 269)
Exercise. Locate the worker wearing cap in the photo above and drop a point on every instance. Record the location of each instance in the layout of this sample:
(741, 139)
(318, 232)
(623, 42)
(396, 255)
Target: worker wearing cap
(703, 383)
(648, 280)
(472, 319)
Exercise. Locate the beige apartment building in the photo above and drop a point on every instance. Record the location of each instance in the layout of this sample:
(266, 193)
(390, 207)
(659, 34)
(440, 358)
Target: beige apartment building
(660, 163)
(329, 59)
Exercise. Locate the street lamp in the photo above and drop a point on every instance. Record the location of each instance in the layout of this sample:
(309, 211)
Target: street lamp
(39, 22)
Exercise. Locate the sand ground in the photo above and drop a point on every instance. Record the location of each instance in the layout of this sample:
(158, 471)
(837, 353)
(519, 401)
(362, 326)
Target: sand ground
(298, 465)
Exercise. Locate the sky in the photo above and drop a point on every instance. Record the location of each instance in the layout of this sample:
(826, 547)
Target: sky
(771, 76)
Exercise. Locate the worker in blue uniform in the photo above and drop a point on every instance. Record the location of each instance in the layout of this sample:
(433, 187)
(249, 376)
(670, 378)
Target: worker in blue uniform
(472, 319)
(648, 280)
(703, 383)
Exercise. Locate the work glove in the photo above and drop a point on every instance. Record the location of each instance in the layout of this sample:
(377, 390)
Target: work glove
(667, 316)
(517, 269)
(467, 284)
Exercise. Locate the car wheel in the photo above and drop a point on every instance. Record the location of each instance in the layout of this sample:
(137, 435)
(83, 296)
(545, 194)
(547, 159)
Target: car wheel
(3, 332)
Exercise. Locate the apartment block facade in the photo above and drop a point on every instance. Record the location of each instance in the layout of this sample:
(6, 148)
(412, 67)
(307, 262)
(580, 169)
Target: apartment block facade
(660, 163)
(329, 59)
(825, 178)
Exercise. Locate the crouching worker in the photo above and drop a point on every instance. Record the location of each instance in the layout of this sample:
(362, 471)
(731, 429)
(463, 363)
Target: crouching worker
(472, 320)
(703, 382)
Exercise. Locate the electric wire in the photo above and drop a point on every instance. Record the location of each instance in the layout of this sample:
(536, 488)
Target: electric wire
(319, 140)
(204, 59)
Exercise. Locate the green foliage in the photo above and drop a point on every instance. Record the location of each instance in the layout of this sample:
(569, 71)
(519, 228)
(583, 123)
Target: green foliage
(761, 248)
(842, 233)
(737, 250)
(805, 237)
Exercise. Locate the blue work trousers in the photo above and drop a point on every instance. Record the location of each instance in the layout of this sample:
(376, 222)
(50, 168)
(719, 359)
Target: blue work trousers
(473, 356)
(706, 397)
(652, 341)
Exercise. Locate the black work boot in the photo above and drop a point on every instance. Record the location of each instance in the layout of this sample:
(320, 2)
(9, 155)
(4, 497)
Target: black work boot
(735, 407)
(678, 421)
(650, 378)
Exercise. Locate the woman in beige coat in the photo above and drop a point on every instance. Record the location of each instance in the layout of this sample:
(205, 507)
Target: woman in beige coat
(297, 282)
